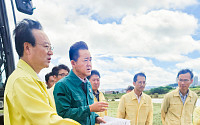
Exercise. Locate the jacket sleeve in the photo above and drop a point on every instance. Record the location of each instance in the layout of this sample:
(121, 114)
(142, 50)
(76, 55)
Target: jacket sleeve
(196, 116)
(31, 100)
(164, 108)
(196, 97)
(150, 115)
(121, 108)
(64, 104)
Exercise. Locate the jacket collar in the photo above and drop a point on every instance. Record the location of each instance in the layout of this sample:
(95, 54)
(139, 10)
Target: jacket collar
(24, 66)
(76, 80)
(133, 96)
(176, 92)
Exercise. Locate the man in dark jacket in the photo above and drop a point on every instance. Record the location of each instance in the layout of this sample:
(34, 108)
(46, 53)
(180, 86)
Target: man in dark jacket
(73, 94)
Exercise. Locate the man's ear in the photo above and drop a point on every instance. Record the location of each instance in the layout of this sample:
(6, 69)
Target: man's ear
(27, 48)
(73, 63)
(191, 81)
(134, 83)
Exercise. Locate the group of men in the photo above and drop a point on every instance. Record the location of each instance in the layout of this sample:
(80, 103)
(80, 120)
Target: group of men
(176, 109)
(26, 98)
(77, 98)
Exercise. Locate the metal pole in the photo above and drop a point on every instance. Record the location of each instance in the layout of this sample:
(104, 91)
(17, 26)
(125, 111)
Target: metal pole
(13, 10)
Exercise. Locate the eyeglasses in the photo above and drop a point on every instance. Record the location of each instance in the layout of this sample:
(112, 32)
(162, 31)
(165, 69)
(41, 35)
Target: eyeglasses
(183, 80)
(62, 74)
(48, 47)
(141, 82)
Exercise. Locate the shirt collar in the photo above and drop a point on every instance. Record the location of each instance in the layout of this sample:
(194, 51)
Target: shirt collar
(76, 80)
(184, 95)
(96, 93)
(83, 80)
(134, 96)
(137, 95)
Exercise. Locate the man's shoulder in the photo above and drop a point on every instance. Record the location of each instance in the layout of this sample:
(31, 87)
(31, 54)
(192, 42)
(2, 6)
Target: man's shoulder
(64, 83)
(127, 96)
(171, 93)
(193, 93)
(101, 93)
(19, 74)
(146, 96)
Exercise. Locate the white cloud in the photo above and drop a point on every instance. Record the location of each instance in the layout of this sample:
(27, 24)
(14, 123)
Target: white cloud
(119, 72)
(147, 29)
(152, 34)
(190, 63)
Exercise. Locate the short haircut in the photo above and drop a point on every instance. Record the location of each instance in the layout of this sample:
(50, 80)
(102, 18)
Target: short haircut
(47, 76)
(138, 74)
(74, 50)
(184, 71)
(23, 33)
(129, 88)
(56, 69)
(94, 72)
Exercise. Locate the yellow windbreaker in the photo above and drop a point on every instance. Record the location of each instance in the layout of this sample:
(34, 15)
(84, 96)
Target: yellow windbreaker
(196, 116)
(101, 99)
(27, 102)
(51, 92)
(139, 114)
(173, 112)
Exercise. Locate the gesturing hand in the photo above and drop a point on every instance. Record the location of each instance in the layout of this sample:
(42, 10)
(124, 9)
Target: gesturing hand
(98, 107)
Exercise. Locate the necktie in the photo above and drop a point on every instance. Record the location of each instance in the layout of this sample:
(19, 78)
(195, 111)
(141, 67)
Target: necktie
(84, 87)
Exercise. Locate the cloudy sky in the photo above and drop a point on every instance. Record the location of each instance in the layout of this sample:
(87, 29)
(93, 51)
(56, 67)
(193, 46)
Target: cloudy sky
(124, 36)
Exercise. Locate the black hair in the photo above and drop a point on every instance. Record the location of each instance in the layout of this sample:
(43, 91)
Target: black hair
(129, 88)
(56, 69)
(47, 76)
(74, 50)
(23, 33)
(94, 72)
(184, 71)
(138, 74)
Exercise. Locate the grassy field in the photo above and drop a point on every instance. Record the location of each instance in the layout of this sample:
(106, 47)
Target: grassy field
(112, 111)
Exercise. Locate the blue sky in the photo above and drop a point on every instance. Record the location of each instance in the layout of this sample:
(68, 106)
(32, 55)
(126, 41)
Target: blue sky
(124, 37)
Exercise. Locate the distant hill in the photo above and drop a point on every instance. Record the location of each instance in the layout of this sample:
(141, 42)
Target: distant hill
(150, 87)
(173, 85)
(123, 90)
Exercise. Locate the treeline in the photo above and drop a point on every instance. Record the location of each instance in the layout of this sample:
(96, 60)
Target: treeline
(159, 90)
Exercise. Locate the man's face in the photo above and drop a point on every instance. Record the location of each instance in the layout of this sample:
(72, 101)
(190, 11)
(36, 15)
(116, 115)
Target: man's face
(95, 82)
(40, 54)
(61, 73)
(83, 65)
(140, 84)
(184, 81)
(50, 81)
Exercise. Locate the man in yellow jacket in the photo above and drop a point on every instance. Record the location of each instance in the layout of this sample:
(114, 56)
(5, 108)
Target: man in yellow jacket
(26, 100)
(178, 105)
(136, 106)
(94, 79)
